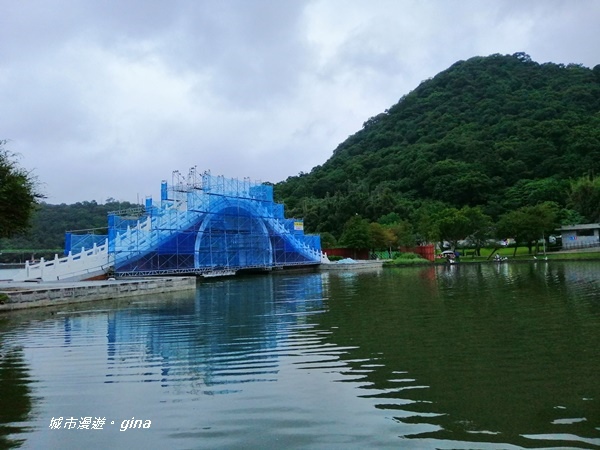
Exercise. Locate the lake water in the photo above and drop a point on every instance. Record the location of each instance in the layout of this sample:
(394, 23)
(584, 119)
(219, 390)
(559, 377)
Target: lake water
(465, 356)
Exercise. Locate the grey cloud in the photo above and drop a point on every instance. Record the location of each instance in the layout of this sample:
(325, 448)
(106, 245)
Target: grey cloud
(119, 94)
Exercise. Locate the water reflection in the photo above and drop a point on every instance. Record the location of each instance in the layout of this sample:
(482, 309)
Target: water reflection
(497, 354)
(222, 339)
(15, 396)
(490, 356)
(159, 357)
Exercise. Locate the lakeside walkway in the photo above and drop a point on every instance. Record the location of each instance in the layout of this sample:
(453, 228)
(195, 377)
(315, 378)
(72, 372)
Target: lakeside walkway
(21, 295)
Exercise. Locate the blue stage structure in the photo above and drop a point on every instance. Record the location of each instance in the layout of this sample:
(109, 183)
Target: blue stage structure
(206, 225)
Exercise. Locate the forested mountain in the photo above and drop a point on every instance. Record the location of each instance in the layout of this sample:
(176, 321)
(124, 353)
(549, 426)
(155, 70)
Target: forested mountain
(480, 150)
(50, 222)
(500, 132)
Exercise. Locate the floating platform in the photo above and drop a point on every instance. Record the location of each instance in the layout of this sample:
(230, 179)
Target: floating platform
(350, 264)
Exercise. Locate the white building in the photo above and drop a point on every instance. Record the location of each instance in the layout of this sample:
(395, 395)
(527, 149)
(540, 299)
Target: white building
(580, 236)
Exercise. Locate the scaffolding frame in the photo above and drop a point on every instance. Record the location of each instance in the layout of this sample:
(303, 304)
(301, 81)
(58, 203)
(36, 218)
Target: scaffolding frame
(207, 225)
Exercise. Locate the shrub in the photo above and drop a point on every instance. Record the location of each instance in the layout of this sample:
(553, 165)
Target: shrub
(401, 259)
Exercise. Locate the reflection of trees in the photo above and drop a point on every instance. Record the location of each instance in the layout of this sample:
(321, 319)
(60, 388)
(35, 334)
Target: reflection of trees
(499, 353)
(15, 396)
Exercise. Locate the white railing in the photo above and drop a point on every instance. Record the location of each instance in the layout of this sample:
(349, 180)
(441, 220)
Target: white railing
(149, 233)
(302, 246)
(79, 266)
(96, 261)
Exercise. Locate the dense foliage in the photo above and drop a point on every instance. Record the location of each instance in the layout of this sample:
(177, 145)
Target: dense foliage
(50, 222)
(500, 133)
(493, 147)
(18, 194)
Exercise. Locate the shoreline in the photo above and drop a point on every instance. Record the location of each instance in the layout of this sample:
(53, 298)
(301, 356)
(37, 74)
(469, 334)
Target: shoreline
(510, 260)
(26, 295)
(357, 264)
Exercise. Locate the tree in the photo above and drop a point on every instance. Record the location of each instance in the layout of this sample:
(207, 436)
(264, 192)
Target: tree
(479, 228)
(356, 233)
(532, 192)
(380, 237)
(383, 237)
(453, 225)
(426, 220)
(328, 240)
(584, 197)
(529, 224)
(19, 194)
(404, 233)
(570, 217)
(389, 219)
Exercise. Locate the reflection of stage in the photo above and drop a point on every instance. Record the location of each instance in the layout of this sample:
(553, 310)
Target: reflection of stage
(354, 265)
(232, 331)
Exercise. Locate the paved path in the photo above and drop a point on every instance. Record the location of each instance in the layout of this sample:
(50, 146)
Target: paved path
(19, 295)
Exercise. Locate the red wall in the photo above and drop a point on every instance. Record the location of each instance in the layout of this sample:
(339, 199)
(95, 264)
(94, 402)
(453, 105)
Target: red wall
(426, 251)
(360, 253)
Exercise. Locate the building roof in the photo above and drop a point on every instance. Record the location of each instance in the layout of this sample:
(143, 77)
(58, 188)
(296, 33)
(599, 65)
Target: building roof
(583, 226)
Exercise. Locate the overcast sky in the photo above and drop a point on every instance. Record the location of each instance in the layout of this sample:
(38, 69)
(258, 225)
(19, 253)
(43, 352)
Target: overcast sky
(106, 99)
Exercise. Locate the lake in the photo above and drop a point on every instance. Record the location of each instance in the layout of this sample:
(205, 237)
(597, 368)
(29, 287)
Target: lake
(464, 356)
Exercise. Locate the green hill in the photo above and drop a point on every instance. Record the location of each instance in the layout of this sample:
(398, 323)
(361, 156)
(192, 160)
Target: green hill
(498, 132)
(49, 224)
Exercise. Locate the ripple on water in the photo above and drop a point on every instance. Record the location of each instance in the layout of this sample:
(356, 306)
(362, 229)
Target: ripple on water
(501, 356)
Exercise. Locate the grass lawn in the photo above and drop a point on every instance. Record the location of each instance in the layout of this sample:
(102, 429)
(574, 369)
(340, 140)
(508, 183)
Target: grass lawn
(523, 254)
